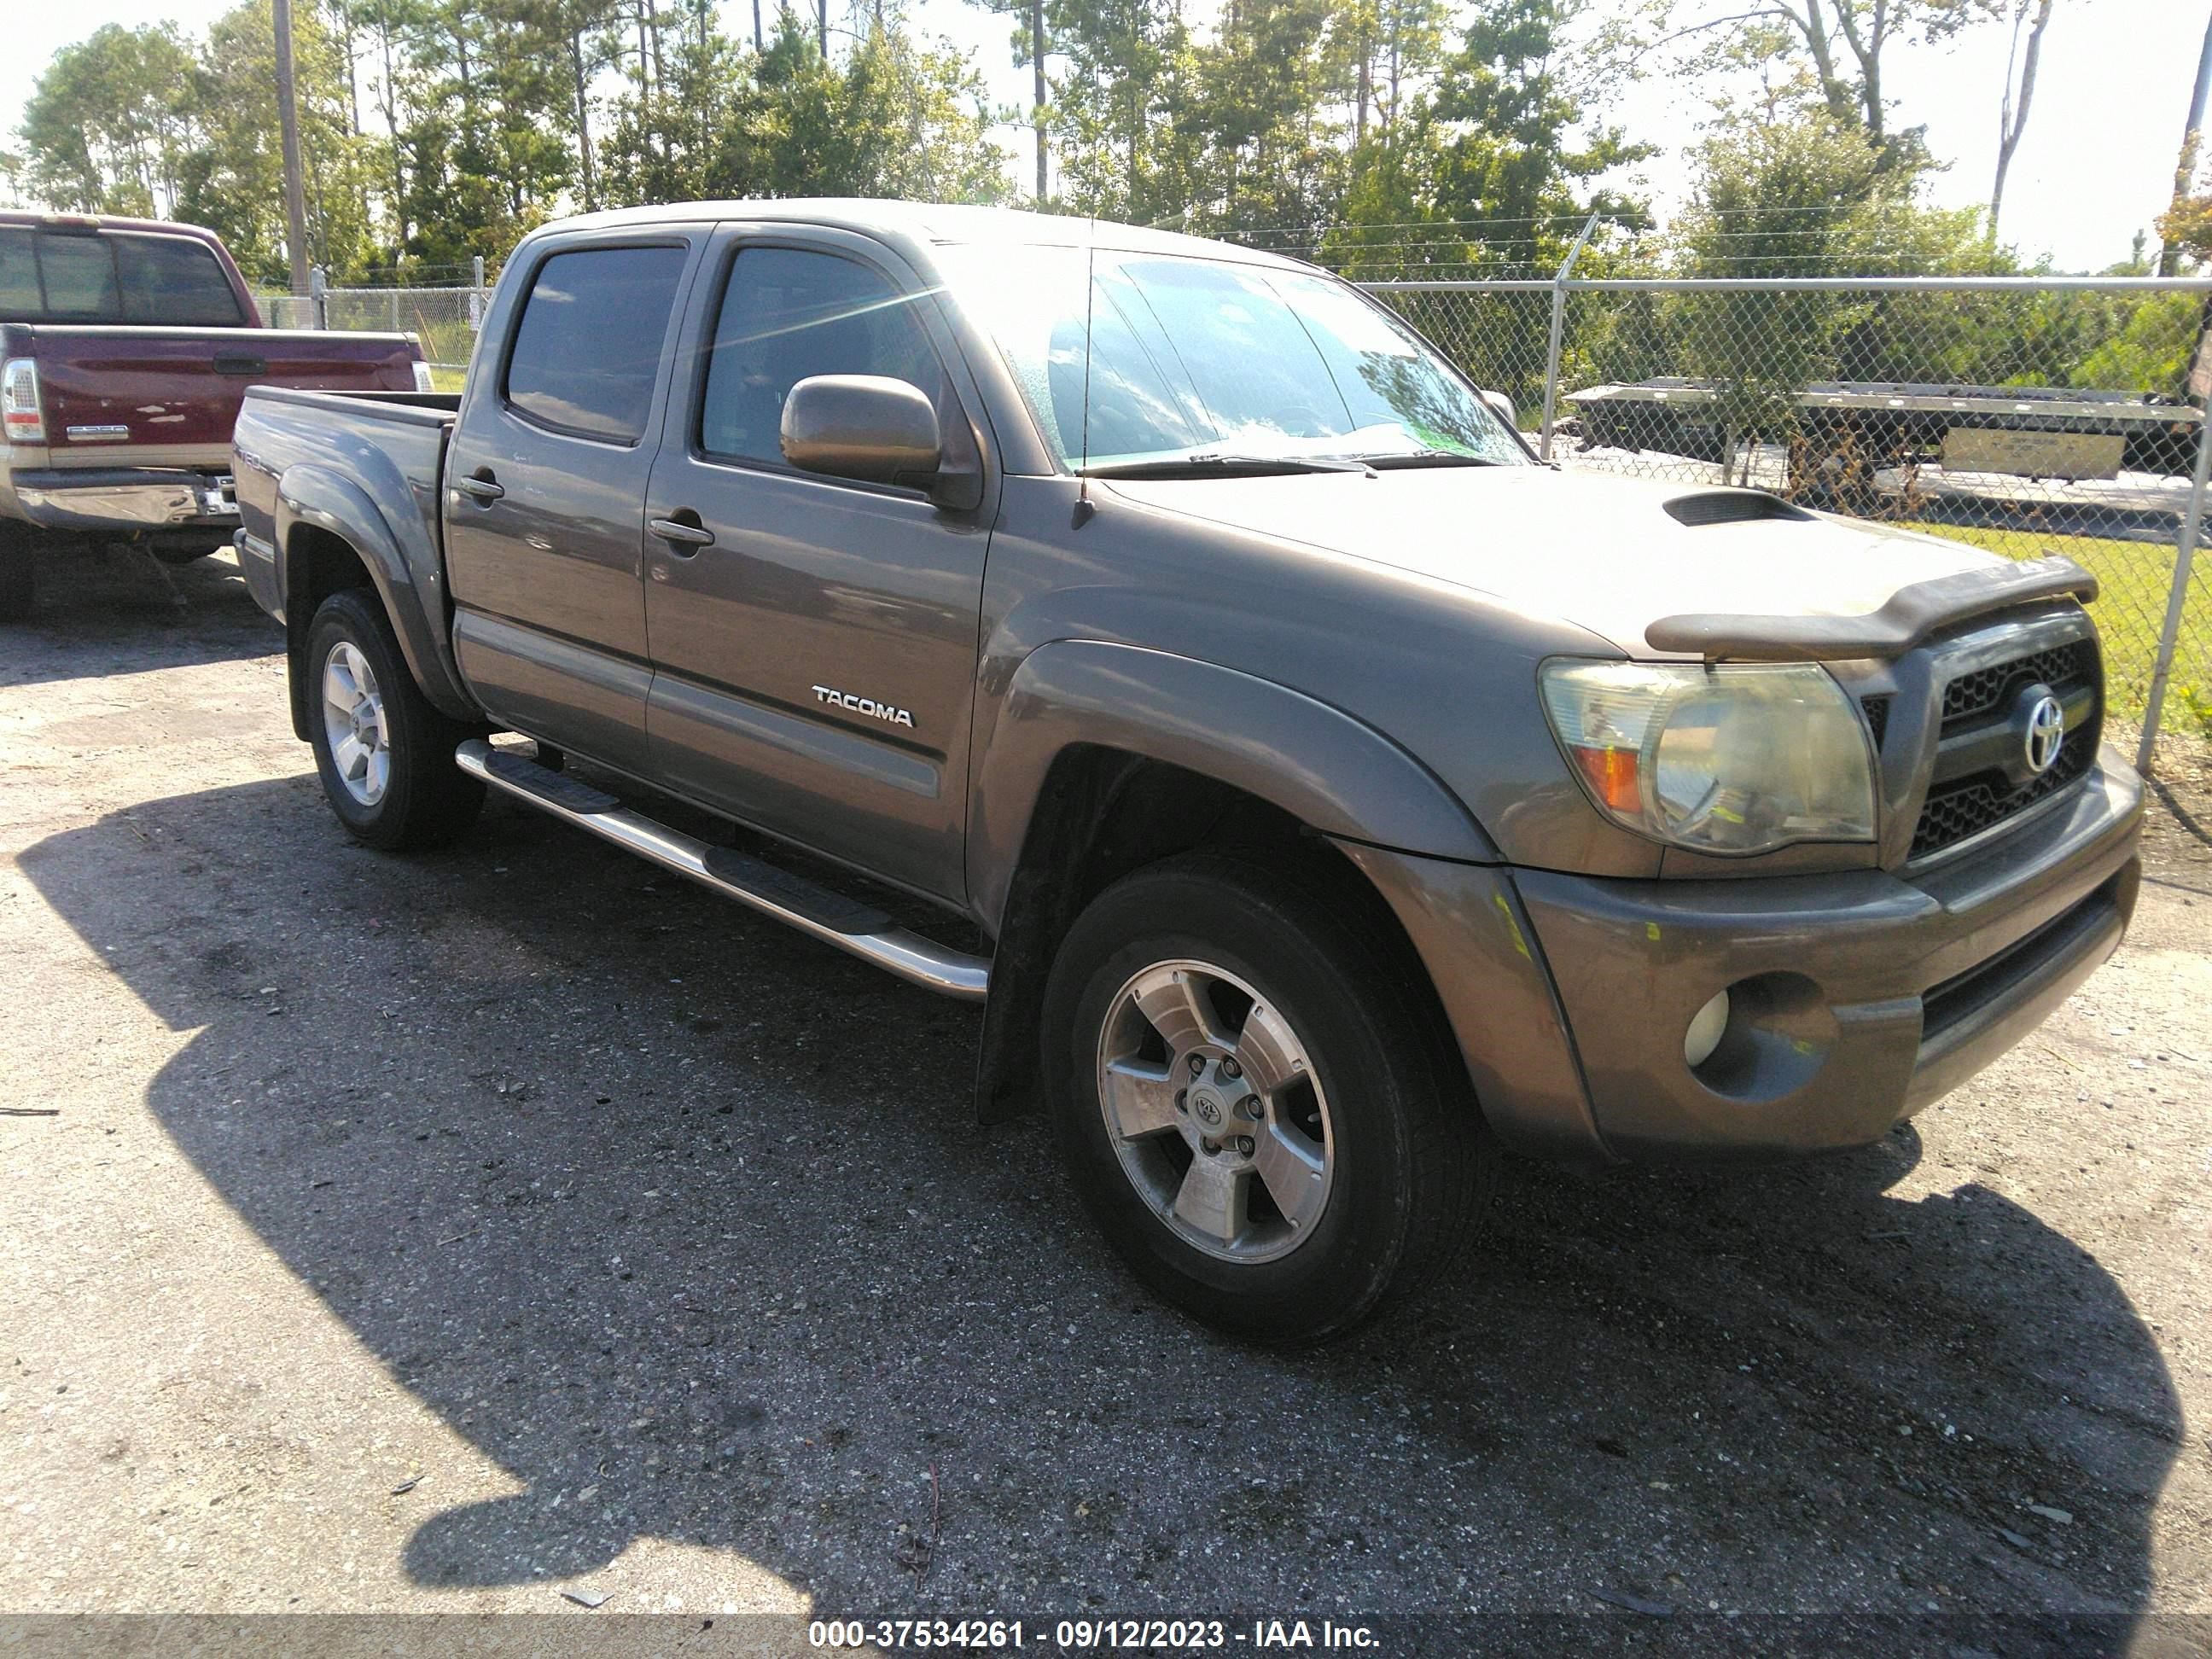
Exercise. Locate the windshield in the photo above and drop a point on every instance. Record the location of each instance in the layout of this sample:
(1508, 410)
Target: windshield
(1199, 358)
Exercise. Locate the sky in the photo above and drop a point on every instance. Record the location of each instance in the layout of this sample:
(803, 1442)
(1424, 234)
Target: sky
(2096, 165)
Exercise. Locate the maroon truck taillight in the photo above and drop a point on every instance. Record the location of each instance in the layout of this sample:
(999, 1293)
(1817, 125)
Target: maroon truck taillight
(20, 414)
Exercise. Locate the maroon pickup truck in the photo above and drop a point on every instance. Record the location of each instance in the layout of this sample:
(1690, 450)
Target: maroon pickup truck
(125, 347)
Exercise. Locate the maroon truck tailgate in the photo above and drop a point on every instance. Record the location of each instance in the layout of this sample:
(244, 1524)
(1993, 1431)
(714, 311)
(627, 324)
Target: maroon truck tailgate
(102, 387)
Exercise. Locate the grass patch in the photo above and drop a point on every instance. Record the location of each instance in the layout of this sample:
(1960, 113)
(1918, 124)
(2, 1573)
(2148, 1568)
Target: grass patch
(2133, 579)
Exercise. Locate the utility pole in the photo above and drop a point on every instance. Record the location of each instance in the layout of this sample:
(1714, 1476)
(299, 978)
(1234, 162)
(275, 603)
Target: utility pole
(1036, 63)
(288, 116)
(2169, 258)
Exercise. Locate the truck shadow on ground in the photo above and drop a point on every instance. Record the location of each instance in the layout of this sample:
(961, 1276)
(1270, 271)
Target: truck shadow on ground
(113, 610)
(683, 1221)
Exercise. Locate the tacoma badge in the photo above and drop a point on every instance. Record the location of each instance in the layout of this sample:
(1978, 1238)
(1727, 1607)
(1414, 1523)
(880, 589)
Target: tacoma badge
(882, 711)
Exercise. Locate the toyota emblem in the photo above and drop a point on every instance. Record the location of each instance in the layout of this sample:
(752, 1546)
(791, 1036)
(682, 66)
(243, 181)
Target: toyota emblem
(2046, 734)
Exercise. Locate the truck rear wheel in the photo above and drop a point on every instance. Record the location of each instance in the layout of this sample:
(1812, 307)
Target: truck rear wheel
(19, 581)
(1256, 1101)
(386, 756)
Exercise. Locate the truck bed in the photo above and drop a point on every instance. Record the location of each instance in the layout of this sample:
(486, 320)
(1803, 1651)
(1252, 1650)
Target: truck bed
(388, 445)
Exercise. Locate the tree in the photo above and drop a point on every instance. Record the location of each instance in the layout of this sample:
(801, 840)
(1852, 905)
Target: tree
(2012, 115)
(898, 118)
(1120, 114)
(2181, 212)
(1770, 200)
(679, 134)
(1496, 167)
(585, 29)
(233, 179)
(489, 145)
(1270, 158)
(1518, 153)
(377, 31)
(110, 122)
(2185, 230)
(1842, 43)
(1408, 47)
(1031, 43)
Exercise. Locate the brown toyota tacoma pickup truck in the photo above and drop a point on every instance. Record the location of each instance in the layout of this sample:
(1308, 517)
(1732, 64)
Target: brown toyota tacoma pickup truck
(1345, 797)
(125, 347)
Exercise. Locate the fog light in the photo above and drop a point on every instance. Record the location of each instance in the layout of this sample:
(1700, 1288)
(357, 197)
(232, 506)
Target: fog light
(1706, 1028)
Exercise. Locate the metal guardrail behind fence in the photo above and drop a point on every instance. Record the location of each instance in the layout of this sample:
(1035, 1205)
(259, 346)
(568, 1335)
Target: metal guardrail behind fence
(2022, 414)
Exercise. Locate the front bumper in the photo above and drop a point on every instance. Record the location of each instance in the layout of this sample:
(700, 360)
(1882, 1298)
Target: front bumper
(126, 500)
(1861, 997)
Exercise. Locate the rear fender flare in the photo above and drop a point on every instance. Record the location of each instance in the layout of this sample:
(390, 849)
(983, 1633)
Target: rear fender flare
(316, 496)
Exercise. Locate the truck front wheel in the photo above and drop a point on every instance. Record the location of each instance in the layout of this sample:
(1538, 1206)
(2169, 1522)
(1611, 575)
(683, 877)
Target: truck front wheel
(386, 756)
(1255, 1099)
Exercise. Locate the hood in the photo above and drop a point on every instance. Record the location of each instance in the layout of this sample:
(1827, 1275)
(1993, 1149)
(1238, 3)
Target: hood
(1604, 553)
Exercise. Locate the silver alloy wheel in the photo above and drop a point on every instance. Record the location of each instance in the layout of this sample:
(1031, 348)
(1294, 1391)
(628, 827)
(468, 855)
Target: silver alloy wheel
(353, 720)
(1215, 1111)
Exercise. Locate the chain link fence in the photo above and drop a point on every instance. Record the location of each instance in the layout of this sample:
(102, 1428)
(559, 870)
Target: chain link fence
(2026, 415)
(446, 318)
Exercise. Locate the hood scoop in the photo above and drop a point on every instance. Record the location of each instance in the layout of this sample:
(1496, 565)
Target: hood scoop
(1731, 506)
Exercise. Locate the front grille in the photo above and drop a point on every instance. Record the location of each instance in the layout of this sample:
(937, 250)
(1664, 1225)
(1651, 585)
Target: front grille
(1877, 717)
(2059, 668)
(1958, 808)
(1972, 804)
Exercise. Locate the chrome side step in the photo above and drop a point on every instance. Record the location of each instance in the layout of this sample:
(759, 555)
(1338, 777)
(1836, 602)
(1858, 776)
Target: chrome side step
(851, 926)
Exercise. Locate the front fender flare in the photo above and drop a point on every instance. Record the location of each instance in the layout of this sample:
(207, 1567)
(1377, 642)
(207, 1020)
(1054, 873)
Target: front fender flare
(414, 601)
(1333, 773)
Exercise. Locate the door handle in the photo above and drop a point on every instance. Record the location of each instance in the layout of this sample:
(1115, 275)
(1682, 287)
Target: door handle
(240, 362)
(484, 490)
(682, 536)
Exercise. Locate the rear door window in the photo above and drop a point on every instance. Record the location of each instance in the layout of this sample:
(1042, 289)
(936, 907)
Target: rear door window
(176, 281)
(587, 350)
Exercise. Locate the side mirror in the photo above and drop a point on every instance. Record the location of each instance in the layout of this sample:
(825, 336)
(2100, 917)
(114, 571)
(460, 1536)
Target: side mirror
(868, 427)
(1502, 406)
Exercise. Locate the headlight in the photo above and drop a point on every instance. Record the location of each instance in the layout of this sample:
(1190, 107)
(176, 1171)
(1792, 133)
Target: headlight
(1740, 757)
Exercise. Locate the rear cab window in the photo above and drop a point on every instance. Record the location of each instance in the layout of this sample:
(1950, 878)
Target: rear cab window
(173, 280)
(19, 275)
(587, 349)
(78, 274)
(138, 277)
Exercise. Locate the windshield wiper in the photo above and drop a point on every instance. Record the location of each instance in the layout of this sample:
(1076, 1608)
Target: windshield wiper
(1404, 460)
(1216, 465)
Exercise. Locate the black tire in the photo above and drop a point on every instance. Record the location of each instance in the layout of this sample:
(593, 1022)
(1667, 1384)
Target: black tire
(19, 575)
(1411, 1160)
(425, 799)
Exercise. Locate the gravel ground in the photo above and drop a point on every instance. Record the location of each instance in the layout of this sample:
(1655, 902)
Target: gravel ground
(447, 1234)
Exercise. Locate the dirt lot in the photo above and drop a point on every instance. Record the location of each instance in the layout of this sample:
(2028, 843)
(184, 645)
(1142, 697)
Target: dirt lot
(443, 1235)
